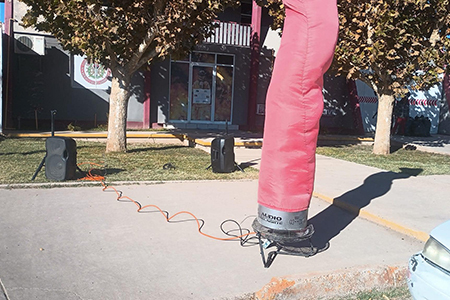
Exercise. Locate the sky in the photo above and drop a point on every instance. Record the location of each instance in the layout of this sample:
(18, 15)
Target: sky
(2, 12)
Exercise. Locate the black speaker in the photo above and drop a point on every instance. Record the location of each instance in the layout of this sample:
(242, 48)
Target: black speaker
(222, 154)
(61, 158)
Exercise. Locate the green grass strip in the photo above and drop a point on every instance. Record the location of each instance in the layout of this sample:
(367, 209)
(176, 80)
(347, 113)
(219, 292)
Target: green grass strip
(429, 163)
(20, 157)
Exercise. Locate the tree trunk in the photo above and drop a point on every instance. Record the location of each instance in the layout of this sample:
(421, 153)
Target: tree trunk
(117, 119)
(382, 143)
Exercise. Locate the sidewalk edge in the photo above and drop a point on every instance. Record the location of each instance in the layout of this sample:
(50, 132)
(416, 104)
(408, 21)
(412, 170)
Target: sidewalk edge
(336, 284)
(365, 214)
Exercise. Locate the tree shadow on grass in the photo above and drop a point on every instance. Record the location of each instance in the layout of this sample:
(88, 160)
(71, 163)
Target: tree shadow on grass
(23, 153)
(97, 172)
(247, 164)
(155, 148)
(37, 151)
(332, 220)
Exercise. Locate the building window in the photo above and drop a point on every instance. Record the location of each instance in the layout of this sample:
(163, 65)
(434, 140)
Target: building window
(246, 12)
(179, 90)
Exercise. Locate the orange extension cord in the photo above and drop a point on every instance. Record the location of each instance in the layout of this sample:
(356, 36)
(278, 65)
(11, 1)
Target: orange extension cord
(92, 177)
(89, 175)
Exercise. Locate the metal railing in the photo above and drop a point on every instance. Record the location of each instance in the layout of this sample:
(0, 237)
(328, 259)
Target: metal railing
(230, 33)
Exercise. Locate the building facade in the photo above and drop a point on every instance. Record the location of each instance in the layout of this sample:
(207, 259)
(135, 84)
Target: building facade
(221, 83)
(205, 90)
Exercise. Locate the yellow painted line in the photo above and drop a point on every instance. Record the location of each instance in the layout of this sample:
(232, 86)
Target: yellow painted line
(133, 135)
(82, 135)
(29, 134)
(159, 135)
(42, 135)
(201, 142)
(100, 135)
(155, 135)
(249, 144)
(343, 138)
(420, 235)
(237, 144)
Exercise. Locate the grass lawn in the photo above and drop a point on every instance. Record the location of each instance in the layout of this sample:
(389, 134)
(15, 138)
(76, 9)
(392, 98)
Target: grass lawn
(430, 163)
(19, 159)
(399, 293)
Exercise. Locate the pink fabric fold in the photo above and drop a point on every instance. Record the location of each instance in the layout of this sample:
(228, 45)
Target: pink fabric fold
(294, 104)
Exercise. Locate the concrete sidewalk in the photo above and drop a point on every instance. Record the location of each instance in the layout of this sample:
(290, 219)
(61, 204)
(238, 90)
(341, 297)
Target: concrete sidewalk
(375, 194)
(79, 243)
(412, 205)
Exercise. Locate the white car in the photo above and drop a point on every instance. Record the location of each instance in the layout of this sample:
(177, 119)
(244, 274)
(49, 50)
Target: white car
(429, 270)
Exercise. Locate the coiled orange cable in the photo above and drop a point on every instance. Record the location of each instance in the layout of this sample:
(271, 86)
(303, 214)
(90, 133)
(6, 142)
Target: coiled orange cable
(120, 197)
(90, 176)
(100, 178)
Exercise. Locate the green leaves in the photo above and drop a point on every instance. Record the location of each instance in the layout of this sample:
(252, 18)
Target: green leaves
(392, 38)
(125, 33)
(397, 38)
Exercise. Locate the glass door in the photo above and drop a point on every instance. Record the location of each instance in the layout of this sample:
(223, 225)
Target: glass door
(201, 88)
(179, 91)
(223, 93)
(202, 93)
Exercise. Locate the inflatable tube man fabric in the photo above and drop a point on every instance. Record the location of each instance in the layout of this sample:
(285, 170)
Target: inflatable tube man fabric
(294, 105)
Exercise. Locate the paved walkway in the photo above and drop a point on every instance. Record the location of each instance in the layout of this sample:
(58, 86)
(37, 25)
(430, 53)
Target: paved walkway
(50, 233)
(375, 194)
(436, 143)
(413, 205)
(80, 243)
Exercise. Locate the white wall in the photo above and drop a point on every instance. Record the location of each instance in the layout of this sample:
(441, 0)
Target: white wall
(272, 40)
(426, 103)
(19, 11)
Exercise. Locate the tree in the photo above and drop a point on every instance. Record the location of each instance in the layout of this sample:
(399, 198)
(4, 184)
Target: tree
(124, 35)
(390, 45)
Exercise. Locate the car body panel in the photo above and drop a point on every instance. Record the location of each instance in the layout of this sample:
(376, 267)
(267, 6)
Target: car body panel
(442, 234)
(427, 281)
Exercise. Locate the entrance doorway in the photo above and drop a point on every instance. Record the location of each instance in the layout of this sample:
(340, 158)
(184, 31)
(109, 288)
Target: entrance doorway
(201, 88)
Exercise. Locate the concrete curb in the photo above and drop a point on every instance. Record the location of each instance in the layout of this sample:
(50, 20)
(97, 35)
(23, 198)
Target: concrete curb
(3, 294)
(421, 236)
(365, 214)
(150, 135)
(256, 143)
(98, 184)
(336, 284)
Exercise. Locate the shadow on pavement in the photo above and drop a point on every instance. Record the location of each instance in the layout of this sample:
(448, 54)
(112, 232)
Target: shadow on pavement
(434, 141)
(332, 220)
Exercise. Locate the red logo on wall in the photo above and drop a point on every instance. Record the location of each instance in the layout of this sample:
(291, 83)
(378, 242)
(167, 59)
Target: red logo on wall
(94, 73)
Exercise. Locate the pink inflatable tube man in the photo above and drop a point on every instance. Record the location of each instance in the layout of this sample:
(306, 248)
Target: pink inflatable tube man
(294, 105)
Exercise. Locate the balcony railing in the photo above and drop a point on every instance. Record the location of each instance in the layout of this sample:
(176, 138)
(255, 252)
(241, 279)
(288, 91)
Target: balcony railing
(230, 33)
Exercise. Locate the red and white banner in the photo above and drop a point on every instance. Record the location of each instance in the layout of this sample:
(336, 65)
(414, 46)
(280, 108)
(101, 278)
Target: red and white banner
(368, 103)
(421, 103)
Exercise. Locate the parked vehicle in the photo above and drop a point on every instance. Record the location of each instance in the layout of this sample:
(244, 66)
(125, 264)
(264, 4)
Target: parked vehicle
(429, 270)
